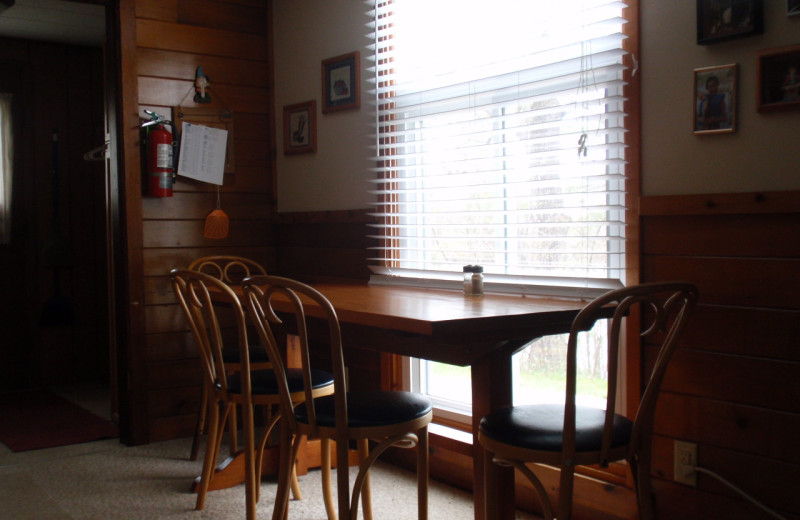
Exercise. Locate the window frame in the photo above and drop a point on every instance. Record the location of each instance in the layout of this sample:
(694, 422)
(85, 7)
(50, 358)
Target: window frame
(390, 269)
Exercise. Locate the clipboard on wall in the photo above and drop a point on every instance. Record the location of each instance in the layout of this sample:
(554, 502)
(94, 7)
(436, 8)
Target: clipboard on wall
(214, 118)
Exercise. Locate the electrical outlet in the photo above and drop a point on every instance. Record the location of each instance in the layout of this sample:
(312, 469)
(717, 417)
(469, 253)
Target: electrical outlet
(685, 462)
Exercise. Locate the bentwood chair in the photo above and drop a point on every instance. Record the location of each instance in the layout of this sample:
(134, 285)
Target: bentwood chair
(566, 435)
(392, 418)
(231, 270)
(200, 296)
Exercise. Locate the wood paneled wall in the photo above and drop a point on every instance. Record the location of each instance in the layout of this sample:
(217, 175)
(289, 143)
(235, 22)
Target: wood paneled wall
(324, 245)
(230, 40)
(732, 387)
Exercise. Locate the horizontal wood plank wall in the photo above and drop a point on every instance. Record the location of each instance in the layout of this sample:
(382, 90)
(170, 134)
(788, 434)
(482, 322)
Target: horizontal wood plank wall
(733, 385)
(230, 40)
(324, 245)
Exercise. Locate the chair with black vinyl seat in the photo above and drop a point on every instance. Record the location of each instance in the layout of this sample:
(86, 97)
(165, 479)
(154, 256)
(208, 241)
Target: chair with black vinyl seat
(566, 435)
(231, 270)
(200, 296)
(390, 418)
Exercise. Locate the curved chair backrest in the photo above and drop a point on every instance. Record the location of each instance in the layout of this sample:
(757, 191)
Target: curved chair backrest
(663, 309)
(230, 269)
(199, 294)
(277, 303)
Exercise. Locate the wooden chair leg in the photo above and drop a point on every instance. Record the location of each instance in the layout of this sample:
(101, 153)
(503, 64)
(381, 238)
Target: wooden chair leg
(644, 489)
(489, 485)
(565, 489)
(200, 425)
(210, 459)
(296, 494)
(327, 495)
(422, 474)
(233, 431)
(366, 494)
(251, 481)
(262, 443)
(279, 511)
(288, 454)
(343, 481)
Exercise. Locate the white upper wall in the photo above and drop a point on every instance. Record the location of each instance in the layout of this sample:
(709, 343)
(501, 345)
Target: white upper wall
(763, 154)
(336, 176)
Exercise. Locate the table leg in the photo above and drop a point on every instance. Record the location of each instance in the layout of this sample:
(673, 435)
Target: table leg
(491, 389)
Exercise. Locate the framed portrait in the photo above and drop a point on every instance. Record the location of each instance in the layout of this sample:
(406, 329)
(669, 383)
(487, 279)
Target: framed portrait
(715, 93)
(300, 128)
(720, 20)
(792, 7)
(340, 83)
(778, 84)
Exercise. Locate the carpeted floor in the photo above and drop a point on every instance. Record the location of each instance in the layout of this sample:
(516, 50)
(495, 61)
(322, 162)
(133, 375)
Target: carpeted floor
(105, 480)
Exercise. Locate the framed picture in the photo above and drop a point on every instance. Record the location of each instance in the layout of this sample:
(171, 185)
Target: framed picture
(340, 83)
(715, 92)
(792, 7)
(720, 20)
(300, 128)
(778, 85)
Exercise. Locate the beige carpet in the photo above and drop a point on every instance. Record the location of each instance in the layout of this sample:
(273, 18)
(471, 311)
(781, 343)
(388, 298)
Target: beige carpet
(105, 480)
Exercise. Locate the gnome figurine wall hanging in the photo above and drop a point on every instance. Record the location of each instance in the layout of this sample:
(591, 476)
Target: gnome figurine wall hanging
(201, 83)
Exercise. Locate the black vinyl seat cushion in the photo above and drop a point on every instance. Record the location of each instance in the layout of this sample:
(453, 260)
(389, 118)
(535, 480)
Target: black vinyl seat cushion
(369, 408)
(258, 354)
(262, 382)
(541, 427)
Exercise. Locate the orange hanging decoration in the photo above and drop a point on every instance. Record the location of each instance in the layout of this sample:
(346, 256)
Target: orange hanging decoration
(216, 222)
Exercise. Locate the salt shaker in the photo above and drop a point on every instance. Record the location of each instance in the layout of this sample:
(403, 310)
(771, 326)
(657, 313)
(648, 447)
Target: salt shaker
(473, 280)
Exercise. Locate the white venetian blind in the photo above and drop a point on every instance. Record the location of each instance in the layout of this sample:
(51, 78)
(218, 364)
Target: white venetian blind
(500, 138)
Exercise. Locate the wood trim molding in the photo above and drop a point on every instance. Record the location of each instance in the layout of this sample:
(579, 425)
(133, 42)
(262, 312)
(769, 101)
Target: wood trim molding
(721, 204)
(133, 401)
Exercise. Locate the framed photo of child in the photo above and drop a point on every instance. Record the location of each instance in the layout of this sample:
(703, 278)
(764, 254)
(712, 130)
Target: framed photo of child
(715, 99)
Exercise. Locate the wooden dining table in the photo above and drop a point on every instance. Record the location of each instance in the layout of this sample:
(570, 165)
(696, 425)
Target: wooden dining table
(445, 326)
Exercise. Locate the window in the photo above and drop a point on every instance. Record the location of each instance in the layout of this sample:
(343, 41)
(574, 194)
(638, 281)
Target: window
(5, 168)
(500, 141)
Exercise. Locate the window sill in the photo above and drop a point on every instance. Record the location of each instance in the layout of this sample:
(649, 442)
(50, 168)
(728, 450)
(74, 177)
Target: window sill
(450, 439)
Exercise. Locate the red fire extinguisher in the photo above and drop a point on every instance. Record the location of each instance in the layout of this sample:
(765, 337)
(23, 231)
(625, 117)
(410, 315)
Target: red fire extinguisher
(160, 168)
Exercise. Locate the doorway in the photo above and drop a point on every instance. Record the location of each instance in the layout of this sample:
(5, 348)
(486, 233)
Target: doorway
(59, 292)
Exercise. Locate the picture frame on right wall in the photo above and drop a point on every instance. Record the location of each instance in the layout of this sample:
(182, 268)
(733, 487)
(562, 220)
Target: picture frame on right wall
(778, 83)
(721, 20)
